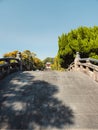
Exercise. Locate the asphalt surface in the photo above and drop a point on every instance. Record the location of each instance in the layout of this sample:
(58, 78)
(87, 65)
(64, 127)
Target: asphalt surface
(48, 100)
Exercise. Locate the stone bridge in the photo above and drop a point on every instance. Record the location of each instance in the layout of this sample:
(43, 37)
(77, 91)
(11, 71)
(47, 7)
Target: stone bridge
(13, 64)
(88, 66)
(50, 100)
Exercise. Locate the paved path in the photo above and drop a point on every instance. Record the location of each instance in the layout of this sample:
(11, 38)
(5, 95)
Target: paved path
(48, 101)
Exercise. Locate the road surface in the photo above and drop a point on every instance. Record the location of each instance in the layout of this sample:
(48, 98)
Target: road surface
(48, 100)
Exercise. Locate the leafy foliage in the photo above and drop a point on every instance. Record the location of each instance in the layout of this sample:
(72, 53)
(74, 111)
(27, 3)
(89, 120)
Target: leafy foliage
(82, 39)
(48, 59)
(28, 58)
(11, 54)
(2, 62)
(38, 64)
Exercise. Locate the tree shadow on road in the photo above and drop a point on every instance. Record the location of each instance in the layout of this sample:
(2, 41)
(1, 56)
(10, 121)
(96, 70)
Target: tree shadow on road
(34, 105)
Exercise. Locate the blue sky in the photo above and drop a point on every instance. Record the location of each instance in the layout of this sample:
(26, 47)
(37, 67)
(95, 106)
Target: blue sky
(36, 24)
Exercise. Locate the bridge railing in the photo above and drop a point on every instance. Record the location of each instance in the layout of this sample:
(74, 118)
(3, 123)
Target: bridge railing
(8, 65)
(86, 65)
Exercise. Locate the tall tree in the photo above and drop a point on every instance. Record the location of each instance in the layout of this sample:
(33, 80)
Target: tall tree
(82, 39)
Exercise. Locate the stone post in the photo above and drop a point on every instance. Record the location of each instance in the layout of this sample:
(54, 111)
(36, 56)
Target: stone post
(8, 62)
(76, 61)
(88, 61)
(20, 60)
(87, 68)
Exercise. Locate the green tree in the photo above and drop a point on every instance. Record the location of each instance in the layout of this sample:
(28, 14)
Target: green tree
(82, 39)
(48, 59)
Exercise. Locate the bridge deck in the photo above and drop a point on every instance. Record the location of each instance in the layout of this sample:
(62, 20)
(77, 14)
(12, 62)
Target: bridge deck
(48, 101)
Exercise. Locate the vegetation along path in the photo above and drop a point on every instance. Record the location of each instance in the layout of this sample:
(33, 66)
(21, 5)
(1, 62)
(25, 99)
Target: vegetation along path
(48, 100)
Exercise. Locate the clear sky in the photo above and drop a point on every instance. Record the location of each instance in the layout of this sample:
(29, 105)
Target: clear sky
(36, 24)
